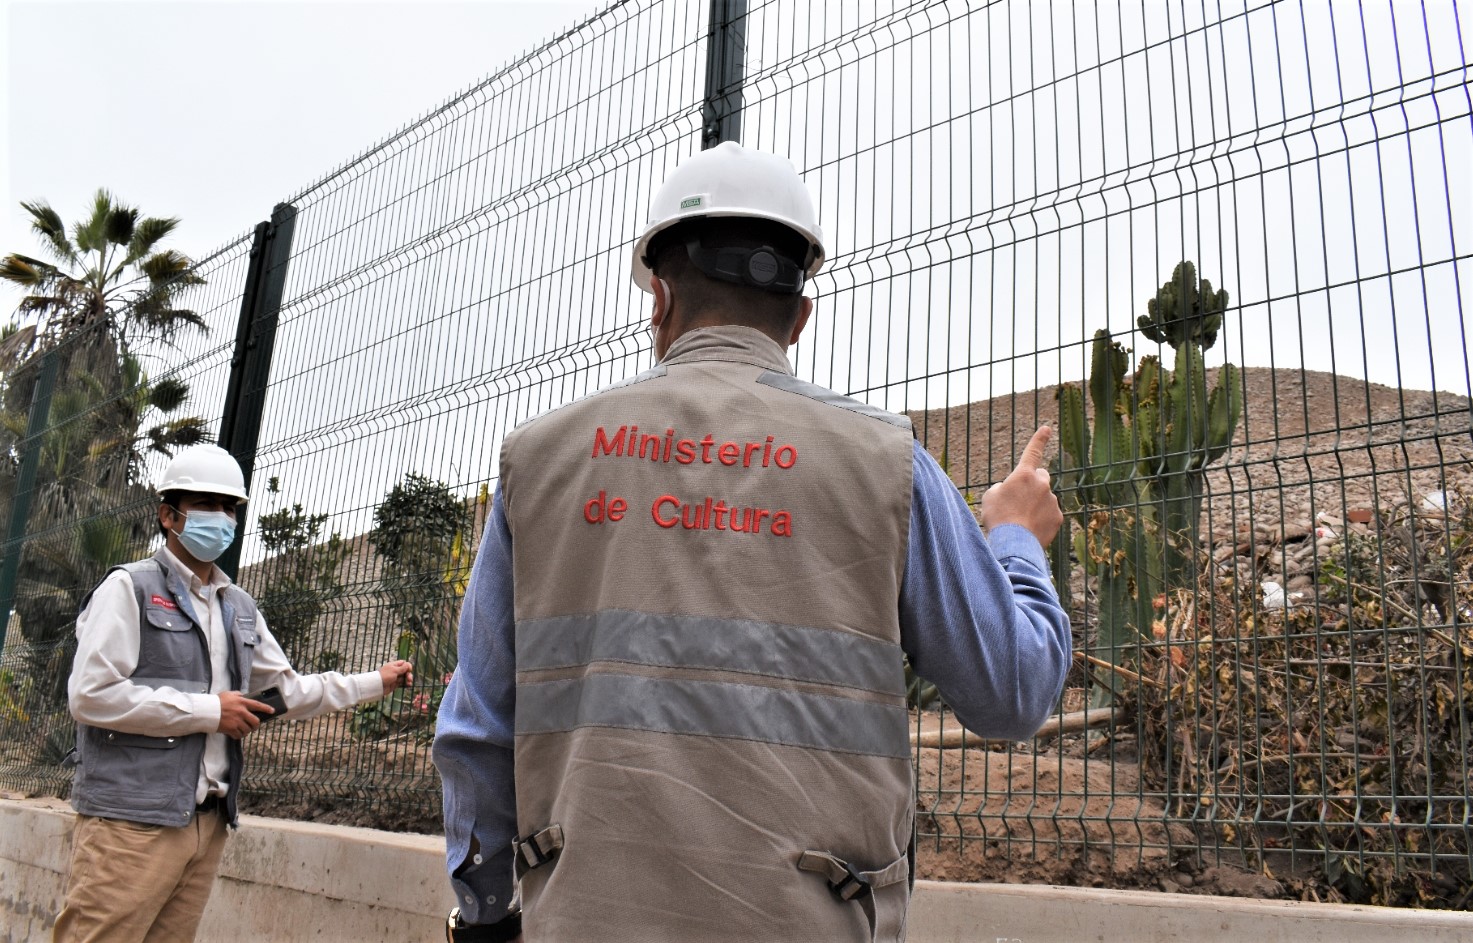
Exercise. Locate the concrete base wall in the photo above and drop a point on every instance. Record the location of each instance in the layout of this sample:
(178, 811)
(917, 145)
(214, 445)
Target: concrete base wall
(279, 880)
(284, 880)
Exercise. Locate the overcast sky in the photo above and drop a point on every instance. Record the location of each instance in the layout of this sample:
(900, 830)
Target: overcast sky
(213, 111)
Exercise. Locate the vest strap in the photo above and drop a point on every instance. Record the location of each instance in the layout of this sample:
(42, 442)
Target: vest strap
(537, 849)
(849, 884)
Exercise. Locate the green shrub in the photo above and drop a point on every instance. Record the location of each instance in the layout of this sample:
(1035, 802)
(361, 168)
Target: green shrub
(300, 576)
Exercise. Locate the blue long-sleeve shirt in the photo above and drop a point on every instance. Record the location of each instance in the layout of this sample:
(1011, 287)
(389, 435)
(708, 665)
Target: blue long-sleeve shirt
(979, 618)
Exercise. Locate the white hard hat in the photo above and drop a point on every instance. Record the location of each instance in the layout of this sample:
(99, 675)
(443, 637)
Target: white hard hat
(207, 469)
(731, 180)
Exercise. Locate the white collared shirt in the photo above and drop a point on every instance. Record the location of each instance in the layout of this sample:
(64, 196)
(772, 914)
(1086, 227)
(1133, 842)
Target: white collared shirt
(100, 693)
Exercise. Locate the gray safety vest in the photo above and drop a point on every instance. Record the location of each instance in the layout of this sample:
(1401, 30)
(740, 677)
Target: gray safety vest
(153, 779)
(711, 734)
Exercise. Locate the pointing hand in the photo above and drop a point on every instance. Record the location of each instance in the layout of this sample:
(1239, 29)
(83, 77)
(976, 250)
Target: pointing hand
(1026, 497)
(396, 674)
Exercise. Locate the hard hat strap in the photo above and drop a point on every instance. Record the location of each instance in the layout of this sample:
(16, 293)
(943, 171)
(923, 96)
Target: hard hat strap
(763, 267)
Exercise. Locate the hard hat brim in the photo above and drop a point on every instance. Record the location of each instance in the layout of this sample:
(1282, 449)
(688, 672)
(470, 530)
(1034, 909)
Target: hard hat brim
(640, 272)
(224, 490)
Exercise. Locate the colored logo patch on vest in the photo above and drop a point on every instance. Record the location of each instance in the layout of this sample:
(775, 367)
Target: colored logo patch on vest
(158, 600)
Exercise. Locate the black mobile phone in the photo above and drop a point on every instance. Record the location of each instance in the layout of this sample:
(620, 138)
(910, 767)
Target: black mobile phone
(272, 698)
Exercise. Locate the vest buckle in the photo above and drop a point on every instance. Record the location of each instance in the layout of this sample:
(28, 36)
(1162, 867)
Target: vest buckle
(537, 849)
(853, 886)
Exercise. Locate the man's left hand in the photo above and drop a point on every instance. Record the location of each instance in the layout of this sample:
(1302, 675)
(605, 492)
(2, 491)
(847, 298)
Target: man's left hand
(396, 674)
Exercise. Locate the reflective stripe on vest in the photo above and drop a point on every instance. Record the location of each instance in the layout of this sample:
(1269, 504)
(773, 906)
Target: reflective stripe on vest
(761, 648)
(715, 709)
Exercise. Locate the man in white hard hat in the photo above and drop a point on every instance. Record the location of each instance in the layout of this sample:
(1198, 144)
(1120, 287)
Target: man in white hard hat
(680, 708)
(168, 650)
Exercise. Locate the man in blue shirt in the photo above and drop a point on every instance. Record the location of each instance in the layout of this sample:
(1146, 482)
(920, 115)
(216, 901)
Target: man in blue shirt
(679, 711)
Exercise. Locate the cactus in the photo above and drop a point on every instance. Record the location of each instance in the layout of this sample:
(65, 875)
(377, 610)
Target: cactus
(1101, 490)
(1197, 432)
(1184, 312)
(1134, 482)
(1189, 428)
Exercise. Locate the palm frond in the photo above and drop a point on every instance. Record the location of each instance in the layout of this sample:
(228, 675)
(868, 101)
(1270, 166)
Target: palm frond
(16, 346)
(86, 238)
(131, 371)
(120, 224)
(91, 235)
(168, 394)
(152, 312)
(24, 270)
(33, 303)
(147, 234)
(81, 393)
(15, 424)
(99, 448)
(105, 542)
(169, 266)
(177, 433)
(47, 224)
(44, 219)
(168, 321)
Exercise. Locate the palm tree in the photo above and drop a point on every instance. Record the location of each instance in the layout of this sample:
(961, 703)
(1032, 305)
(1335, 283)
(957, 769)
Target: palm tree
(109, 284)
(106, 287)
(106, 271)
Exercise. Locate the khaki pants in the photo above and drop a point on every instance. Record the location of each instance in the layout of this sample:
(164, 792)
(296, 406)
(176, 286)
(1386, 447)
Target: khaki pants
(131, 882)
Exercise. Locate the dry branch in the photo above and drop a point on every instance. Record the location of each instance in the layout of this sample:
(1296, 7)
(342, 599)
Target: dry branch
(1055, 726)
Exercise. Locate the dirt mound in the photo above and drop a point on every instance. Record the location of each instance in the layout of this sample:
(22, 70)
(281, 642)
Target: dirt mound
(1307, 441)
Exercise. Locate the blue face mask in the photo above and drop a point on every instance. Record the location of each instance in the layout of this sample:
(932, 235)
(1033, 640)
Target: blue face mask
(207, 534)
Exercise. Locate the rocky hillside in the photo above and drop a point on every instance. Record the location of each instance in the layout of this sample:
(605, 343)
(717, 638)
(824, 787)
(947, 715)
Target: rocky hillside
(1313, 450)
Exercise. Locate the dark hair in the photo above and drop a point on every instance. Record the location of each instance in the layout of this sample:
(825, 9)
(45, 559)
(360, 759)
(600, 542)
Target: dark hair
(172, 499)
(702, 296)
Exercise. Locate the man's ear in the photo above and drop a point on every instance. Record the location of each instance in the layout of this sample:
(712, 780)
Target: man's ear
(802, 322)
(660, 314)
(663, 296)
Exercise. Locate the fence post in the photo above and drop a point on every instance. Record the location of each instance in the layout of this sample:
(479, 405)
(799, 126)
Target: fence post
(255, 339)
(20, 507)
(726, 49)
